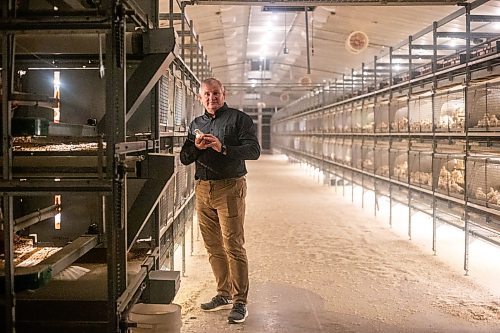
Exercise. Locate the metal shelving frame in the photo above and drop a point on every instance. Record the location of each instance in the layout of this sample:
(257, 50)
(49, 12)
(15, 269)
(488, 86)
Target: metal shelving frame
(111, 19)
(422, 73)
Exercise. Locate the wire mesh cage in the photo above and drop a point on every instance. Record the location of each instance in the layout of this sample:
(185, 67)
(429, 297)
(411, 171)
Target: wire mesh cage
(347, 150)
(313, 123)
(347, 121)
(308, 144)
(307, 124)
(325, 146)
(383, 188)
(483, 107)
(310, 123)
(483, 180)
(399, 194)
(420, 164)
(181, 184)
(420, 113)
(381, 158)
(449, 110)
(190, 102)
(326, 121)
(178, 230)
(449, 212)
(167, 204)
(398, 114)
(331, 149)
(449, 171)
(357, 157)
(180, 106)
(421, 202)
(339, 154)
(302, 125)
(163, 103)
(297, 143)
(338, 119)
(398, 161)
(190, 172)
(369, 183)
(477, 187)
(331, 120)
(484, 225)
(357, 178)
(381, 113)
(318, 145)
(368, 155)
(368, 118)
(318, 122)
(357, 118)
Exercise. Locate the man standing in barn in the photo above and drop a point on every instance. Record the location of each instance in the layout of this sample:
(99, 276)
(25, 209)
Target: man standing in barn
(219, 142)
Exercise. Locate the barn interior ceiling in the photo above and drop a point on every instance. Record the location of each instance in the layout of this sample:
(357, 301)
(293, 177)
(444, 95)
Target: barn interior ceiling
(276, 51)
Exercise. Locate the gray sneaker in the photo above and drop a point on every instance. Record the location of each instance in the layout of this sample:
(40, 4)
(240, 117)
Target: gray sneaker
(238, 314)
(217, 303)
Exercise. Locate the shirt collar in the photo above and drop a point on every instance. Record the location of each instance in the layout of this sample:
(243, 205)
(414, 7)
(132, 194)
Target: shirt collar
(218, 112)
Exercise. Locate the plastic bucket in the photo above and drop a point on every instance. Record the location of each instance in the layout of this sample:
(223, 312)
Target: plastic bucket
(156, 318)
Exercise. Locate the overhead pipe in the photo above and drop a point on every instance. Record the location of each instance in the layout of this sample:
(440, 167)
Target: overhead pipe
(307, 41)
(35, 217)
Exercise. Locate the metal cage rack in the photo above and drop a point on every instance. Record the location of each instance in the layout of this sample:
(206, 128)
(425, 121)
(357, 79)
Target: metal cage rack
(103, 180)
(430, 115)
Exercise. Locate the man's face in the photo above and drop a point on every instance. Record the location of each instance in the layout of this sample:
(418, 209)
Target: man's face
(212, 97)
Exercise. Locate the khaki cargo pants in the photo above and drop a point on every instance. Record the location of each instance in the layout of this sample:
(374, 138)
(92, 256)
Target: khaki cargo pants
(220, 205)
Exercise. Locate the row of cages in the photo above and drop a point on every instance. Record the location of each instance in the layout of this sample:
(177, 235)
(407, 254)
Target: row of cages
(177, 193)
(467, 37)
(442, 168)
(178, 104)
(475, 108)
(480, 222)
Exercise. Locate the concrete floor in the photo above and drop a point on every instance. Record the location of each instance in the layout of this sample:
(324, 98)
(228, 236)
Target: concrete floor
(318, 263)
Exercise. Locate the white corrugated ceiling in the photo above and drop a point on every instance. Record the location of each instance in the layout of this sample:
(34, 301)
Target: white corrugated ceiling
(234, 34)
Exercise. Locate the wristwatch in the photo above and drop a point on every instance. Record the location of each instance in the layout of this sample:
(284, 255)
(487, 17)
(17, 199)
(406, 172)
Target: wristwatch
(223, 150)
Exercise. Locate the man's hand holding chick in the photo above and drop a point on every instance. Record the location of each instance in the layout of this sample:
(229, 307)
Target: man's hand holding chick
(208, 141)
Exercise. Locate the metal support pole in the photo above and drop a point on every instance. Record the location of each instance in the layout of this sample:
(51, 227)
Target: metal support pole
(410, 41)
(307, 42)
(192, 235)
(184, 243)
(259, 122)
(7, 200)
(116, 205)
(467, 80)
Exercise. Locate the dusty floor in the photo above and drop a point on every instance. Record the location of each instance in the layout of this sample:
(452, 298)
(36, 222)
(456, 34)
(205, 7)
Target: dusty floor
(320, 264)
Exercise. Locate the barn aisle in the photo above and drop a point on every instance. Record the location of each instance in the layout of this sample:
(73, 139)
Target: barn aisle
(320, 264)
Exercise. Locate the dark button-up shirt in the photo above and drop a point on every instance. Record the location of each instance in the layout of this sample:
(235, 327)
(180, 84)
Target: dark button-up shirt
(236, 130)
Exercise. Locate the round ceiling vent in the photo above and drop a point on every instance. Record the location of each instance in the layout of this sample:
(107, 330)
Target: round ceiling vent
(356, 42)
(284, 97)
(305, 81)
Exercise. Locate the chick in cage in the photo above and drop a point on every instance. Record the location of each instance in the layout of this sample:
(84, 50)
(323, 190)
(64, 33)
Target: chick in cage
(400, 125)
(452, 181)
(383, 171)
(421, 178)
(367, 164)
(383, 127)
(401, 170)
(452, 115)
(493, 196)
(488, 121)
